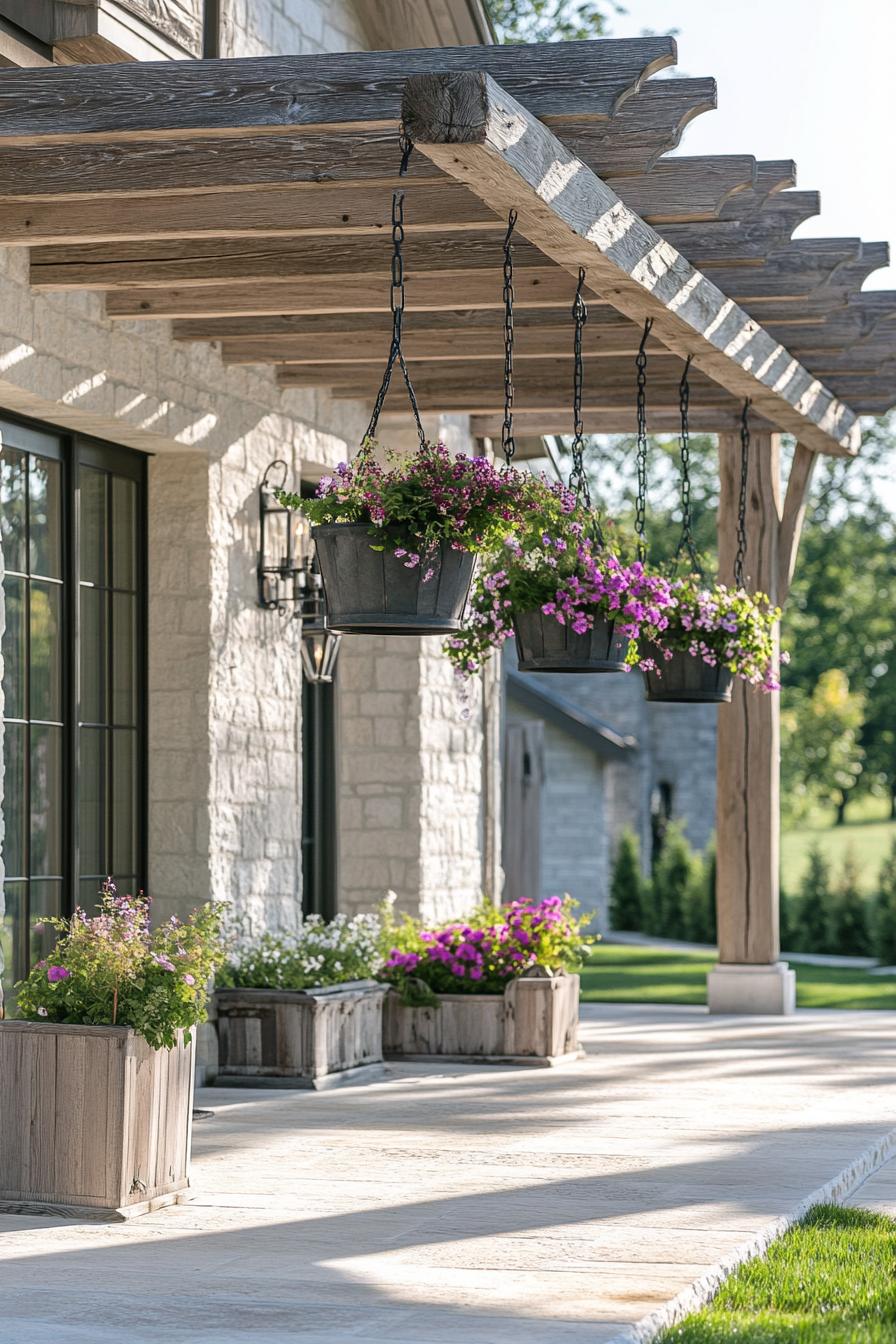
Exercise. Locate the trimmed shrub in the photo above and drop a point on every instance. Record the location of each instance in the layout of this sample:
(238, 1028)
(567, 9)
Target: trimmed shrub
(883, 913)
(675, 873)
(627, 886)
(848, 913)
(700, 913)
(810, 922)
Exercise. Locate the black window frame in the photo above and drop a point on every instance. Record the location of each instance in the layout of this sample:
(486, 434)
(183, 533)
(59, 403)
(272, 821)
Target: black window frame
(73, 450)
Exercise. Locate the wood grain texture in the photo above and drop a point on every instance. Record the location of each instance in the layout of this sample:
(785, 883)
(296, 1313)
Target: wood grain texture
(647, 125)
(536, 1018)
(793, 513)
(576, 219)
(299, 1036)
(279, 93)
(98, 1120)
(748, 741)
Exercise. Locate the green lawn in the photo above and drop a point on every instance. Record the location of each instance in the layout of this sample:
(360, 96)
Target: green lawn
(867, 830)
(829, 1280)
(617, 974)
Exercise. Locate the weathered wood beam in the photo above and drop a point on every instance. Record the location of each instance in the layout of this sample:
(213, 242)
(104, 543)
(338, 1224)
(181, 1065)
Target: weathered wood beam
(473, 130)
(791, 272)
(205, 262)
(644, 127)
(550, 375)
(793, 513)
(546, 287)
(772, 176)
(613, 420)
(439, 206)
(687, 189)
(276, 94)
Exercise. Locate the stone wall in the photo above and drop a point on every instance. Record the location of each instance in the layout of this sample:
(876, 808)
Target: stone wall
(224, 681)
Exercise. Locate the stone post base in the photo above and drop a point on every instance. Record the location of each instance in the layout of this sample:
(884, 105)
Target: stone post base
(763, 989)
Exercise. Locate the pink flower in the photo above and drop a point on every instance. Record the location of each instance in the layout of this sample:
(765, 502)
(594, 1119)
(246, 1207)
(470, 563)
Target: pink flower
(189, 979)
(55, 973)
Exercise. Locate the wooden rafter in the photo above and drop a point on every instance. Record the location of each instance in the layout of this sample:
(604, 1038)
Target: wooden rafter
(473, 130)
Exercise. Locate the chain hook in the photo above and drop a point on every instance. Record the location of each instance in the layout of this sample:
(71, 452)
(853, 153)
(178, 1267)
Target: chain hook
(641, 500)
(578, 480)
(396, 304)
(508, 443)
(684, 400)
(740, 557)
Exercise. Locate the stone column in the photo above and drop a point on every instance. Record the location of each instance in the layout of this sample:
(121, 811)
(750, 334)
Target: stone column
(749, 977)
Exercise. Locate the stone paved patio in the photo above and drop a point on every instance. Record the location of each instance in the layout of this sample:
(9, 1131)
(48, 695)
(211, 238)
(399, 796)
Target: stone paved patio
(446, 1203)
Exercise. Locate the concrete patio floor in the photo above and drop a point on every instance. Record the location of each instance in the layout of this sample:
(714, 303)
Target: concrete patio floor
(493, 1204)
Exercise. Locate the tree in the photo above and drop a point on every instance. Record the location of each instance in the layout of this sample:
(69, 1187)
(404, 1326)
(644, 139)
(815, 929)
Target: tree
(548, 20)
(883, 914)
(811, 912)
(848, 913)
(626, 885)
(674, 875)
(821, 752)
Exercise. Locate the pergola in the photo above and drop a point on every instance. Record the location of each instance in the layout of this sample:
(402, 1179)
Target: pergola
(249, 200)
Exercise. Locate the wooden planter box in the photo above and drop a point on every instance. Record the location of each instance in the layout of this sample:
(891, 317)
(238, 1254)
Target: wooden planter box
(535, 1021)
(96, 1123)
(300, 1038)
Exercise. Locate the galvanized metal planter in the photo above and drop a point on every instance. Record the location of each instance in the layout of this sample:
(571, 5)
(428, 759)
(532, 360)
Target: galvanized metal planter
(96, 1123)
(289, 1038)
(374, 592)
(544, 645)
(685, 680)
(535, 1022)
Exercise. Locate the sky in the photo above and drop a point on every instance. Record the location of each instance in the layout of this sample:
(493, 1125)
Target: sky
(809, 80)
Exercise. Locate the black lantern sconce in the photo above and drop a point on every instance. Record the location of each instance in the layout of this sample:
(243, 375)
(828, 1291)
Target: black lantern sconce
(288, 577)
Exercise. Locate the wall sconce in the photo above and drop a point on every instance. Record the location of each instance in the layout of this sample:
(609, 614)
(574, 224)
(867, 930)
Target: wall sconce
(288, 577)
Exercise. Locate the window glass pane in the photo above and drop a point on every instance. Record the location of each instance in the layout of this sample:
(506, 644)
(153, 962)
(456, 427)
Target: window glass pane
(45, 519)
(124, 800)
(124, 533)
(93, 658)
(46, 800)
(46, 652)
(92, 800)
(12, 508)
(14, 649)
(124, 658)
(45, 899)
(89, 892)
(93, 524)
(12, 933)
(15, 813)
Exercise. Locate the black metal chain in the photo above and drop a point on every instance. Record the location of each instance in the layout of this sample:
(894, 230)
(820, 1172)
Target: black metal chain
(578, 480)
(641, 500)
(687, 539)
(508, 444)
(406, 145)
(396, 303)
(741, 555)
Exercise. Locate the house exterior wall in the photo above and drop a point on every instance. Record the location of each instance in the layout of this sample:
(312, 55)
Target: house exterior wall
(224, 676)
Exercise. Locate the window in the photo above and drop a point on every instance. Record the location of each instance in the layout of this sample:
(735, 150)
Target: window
(72, 531)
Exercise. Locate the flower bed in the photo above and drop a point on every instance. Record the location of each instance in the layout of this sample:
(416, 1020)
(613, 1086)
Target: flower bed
(302, 1009)
(499, 986)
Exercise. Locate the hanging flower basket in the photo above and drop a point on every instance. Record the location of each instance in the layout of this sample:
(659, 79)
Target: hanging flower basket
(712, 635)
(686, 680)
(374, 591)
(543, 645)
(397, 544)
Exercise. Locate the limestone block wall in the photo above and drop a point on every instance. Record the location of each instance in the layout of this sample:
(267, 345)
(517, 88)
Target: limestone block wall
(224, 681)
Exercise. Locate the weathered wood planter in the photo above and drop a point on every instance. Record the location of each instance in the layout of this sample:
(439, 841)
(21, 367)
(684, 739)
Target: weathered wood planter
(535, 1021)
(95, 1122)
(544, 645)
(300, 1038)
(374, 592)
(685, 680)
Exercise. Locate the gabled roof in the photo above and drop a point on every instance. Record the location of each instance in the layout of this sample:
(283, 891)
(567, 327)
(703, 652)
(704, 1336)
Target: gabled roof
(535, 695)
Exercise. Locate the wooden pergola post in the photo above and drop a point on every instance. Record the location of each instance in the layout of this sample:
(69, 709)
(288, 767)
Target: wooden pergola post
(749, 976)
